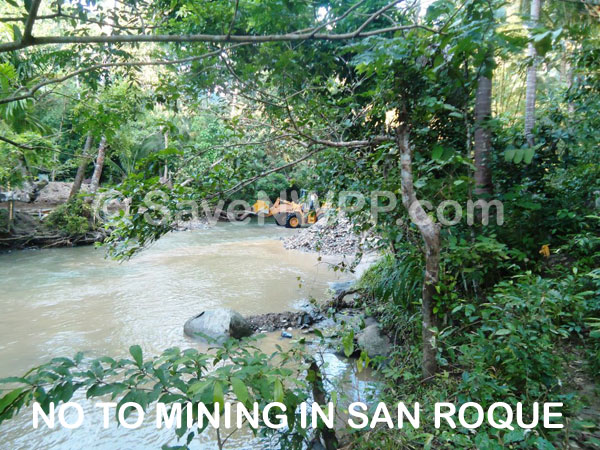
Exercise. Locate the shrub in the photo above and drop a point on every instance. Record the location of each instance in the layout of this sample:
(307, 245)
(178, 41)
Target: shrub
(71, 218)
(392, 287)
(236, 370)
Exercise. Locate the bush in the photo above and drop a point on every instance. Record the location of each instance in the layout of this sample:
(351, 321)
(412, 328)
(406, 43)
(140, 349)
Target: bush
(235, 371)
(392, 287)
(71, 218)
(505, 347)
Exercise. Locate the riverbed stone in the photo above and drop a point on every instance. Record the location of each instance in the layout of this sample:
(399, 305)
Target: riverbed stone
(218, 324)
(373, 341)
(337, 287)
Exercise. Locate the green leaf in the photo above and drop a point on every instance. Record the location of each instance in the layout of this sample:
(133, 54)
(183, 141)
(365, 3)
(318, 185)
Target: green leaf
(436, 155)
(197, 387)
(502, 332)
(509, 155)
(348, 343)
(516, 435)
(27, 5)
(544, 444)
(542, 43)
(278, 391)
(528, 155)
(240, 389)
(136, 352)
(98, 390)
(17, 33)
(13, 380)
(7, 400)
(218, 396)
(518, 156)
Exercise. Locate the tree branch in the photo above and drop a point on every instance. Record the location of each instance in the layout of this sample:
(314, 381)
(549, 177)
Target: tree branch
(336, 144)
(376, 15)
(248, 181)
(235, 11)
(30, 147)
(337, 19)
(15, 144)
(35, 5)
(31, 92)
(216, 38)
(24, 18)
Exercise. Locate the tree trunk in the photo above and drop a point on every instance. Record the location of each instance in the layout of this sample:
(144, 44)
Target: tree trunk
(483, 137)
(430, 232)
(98, 166)
(85, 157)
(568, 73)
(530, 93)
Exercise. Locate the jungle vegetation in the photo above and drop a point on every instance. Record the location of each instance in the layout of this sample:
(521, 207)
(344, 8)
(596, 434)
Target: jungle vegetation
(460, 100)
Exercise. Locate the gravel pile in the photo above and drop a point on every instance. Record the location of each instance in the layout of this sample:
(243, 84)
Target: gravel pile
(282, 321)
(328, 237)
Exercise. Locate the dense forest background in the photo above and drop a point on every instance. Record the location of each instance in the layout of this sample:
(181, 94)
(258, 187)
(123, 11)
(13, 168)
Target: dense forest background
(447, 100)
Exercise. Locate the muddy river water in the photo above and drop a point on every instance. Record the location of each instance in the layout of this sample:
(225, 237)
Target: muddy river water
(56, 302)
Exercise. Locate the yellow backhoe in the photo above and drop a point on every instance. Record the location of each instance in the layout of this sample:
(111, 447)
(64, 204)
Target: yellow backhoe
(288, 214)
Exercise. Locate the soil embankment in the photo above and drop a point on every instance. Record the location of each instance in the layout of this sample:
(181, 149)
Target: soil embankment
(28, 229)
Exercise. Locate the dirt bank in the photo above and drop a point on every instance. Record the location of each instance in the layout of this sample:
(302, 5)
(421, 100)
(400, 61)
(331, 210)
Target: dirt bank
(28, 229)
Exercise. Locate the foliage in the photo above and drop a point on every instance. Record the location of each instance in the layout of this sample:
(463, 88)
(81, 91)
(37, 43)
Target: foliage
(504, 348)
(235, 371)
(71, 218)
(211, 127)
(392, 286)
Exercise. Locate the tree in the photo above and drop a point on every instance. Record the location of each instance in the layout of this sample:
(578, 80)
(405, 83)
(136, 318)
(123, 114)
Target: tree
(85, 159)
(430, 231)
(483, 138)
(530, 94)
(98, 166)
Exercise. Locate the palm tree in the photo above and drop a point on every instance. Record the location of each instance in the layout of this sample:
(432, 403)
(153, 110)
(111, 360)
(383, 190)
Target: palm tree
(530, 93)
(483, 138)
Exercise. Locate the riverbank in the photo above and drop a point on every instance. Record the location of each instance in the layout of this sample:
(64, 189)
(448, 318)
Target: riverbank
(28, 231)
(29, 228)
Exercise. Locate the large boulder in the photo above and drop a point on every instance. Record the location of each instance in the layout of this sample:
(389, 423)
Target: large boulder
(218, 324)
(337, 287)
(373, 341)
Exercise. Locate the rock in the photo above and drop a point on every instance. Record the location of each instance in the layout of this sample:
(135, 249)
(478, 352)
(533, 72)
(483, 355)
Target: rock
(373, 341)
(328, 237)
(304, 320)
(370, 321)
(218, 324)
(367, 261)
(337, 287)
(278, 321)
(285, 334)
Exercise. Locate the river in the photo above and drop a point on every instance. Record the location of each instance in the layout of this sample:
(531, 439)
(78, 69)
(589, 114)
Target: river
(55, 302)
